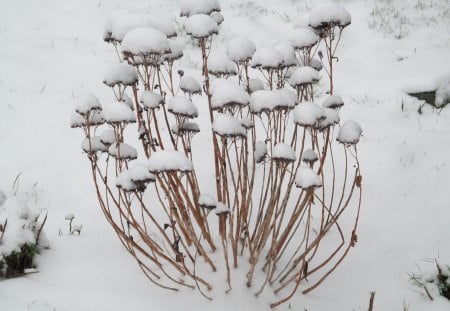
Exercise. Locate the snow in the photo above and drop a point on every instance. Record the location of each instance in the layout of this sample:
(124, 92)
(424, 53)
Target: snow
(255, 85)
(240, 49)
(228, 126)
(217, 17)
(221, 209)
(95, 118)
(260, 151)
(246, 122)
(333, 102)
(139, 174)
(125, 151)
(151, 100)
(124, 182)
(94, 145)
(302, 38)
(397, 142)
(20, 214)
(309, 156)
(207, 201)
(145, 41)
(182, 106)
(186, 128)
(190, 85)
(86, 103)
(117, 27)
(69, 216)
(308, 114)
(349, 133)
(201, 26)
(283, 152)
(191, 7)
(304, 75)
(108, 137)
(331, 118)
(228, 94)
(443, 92)
(169, 161)
(327, 14)
(118, 112)
(120, 73)
(219, 64)
(289, 98)
(307, 179)
(176, 51)
(267, 58)
(287, 53)
(267, 101)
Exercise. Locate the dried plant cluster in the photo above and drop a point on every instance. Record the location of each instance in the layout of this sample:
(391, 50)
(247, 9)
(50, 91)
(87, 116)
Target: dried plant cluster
(285, 170)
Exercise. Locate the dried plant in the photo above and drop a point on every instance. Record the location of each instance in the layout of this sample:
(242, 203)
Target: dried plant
(283, 185)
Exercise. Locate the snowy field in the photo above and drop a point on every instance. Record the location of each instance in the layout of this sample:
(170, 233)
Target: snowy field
(52, 51)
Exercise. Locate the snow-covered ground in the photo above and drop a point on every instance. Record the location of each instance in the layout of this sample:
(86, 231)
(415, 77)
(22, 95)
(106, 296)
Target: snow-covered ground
(52, 51)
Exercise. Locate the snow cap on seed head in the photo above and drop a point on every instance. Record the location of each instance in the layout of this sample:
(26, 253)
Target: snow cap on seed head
(201, 26)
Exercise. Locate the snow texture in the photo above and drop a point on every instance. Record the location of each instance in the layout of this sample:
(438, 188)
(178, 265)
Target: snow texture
(128, 101)
(94, 145)
(304, 75)
(349, 133)
(201, 26)
(302, 38)
(108, 137)
(309, 156)
(139, 174)
(176, 51)
(117, 27)
(219, 64)
(185, 128)
(240, 49)
(191, 7)
(217, 17)
(124, 182)
(151, 100)
(169, 161)
(221, 209)
(124, 151)
(331, 118)
(190, 85)
(260, 151)
(333, 102)
(120, 73)
(287, 53)
(95, 118)
(86, 103)
(306, 178)
(21, 227)
(268, 101)
(207, 201)
(145, 41)
(255, 85)
(283, 152)
(443, 92)
(329, 14)
(118, 112)
(228, 94)
(308, 114)
(228, 126)
(182, 106)
(246, 122)
(267, 58)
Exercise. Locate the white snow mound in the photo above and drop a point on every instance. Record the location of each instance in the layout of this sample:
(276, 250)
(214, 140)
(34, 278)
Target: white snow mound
(169, 161)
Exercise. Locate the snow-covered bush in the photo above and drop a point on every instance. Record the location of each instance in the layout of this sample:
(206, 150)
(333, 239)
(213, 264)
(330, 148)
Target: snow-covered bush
(21, 233)
(285, 185)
